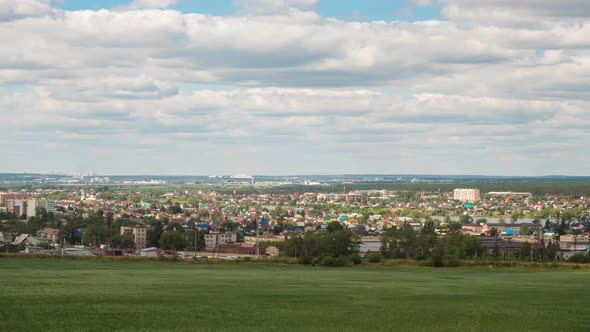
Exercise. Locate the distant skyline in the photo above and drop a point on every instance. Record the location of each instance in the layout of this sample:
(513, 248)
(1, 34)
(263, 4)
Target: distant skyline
(280, 87)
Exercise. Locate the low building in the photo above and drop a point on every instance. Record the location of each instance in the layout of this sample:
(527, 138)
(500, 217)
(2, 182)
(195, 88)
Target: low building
(33, 250)
(250, 241)
(149, 252)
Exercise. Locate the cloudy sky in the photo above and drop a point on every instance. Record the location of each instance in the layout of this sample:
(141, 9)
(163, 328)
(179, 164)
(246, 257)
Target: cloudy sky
(201, 87)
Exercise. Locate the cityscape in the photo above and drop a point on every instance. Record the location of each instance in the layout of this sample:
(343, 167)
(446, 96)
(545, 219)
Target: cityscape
(232, 222)
(294, 165)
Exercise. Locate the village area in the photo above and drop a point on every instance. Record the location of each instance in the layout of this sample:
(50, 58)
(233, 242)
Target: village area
(207, 223)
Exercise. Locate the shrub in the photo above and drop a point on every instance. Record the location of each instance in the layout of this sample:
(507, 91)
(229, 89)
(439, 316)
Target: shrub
(343, 261)
(579, 258)
(451, 260)
(328, 261)
(307, 260)
(356, 259)
(374, 258)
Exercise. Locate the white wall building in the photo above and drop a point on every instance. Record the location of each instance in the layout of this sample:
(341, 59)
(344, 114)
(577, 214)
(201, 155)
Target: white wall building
(33, 204)
(139, 236)
(466, 195)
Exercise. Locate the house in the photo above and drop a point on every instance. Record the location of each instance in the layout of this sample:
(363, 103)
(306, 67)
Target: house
(50, 235)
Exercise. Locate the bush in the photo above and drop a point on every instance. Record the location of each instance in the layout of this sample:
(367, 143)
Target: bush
(343, 261)
(451, 260)
(356, 259)
(328, 261)
(317, 260)
(306, 260)
(579, 258)
(374, 258)
(437, 260)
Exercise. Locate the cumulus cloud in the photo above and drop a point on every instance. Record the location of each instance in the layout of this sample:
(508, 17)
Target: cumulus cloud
(282, 85)
(151, 4)
(258, 7)
(11, 9)
(523, 12)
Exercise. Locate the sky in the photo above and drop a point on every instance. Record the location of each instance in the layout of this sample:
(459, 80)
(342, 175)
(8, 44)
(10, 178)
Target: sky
(279, 87)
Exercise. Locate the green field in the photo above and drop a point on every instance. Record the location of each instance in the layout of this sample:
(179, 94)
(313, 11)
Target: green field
(87, 295)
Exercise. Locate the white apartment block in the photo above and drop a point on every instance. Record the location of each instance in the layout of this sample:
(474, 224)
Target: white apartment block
(213, 240)
(139, 236)
(33, 204)
(466, 195)
(17, 207)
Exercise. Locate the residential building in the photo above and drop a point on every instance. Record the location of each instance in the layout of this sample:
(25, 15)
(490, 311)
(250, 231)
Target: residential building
(250, 241)
(33, 204)
(466, 195)
(213, 240)
(3, 198)
(49, 235)
(17, 207)
(139, 235)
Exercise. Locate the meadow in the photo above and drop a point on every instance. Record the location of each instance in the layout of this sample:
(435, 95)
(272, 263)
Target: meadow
(95, 295)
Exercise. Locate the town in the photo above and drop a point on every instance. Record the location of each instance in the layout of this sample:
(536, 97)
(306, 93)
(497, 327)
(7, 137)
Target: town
(198, 223)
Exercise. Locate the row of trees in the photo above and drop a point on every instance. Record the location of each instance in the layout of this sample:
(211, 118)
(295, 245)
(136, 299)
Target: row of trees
(449, 250)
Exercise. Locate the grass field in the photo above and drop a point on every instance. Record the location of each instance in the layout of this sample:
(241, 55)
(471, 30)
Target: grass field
(86, 295)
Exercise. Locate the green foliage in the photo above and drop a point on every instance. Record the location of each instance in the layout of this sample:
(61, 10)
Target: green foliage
(580, 258)
(172, 240)
(356, 259)
(374, 258)
(328, 261)
(339, 243)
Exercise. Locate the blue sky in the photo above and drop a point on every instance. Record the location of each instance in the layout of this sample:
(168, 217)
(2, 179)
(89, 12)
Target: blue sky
(348, 10)
(491, 87)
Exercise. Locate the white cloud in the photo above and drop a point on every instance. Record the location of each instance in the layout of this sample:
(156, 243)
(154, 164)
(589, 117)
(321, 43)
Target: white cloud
(273, 91)
(151, 4)
(258, 7)
(15, 9)
(532, 13)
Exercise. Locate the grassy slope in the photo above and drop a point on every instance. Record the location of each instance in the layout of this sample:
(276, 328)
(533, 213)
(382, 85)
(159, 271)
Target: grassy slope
(39, 295)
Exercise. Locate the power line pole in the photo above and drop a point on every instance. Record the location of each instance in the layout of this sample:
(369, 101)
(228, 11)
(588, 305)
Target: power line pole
(257, 239)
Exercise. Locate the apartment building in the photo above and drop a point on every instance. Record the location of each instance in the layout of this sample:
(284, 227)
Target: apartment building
(3, 198)
(17, 207)
(466, 195)
(213, 240)
(139, 236)
(33, 204)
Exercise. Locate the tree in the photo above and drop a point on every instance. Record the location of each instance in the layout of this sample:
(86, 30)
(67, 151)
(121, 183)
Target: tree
(125, 241)
(525, 252)
(438, 253)
(493, 232)
(472, 247)
(154, 233)
(465, 219)
(428, 226)
(526, 229)
(334, 226)
(200, 237)
(172, 240)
